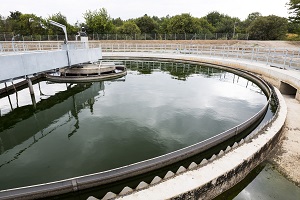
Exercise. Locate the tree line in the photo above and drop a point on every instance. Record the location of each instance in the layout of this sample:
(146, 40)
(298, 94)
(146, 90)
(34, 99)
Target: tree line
(98, 21)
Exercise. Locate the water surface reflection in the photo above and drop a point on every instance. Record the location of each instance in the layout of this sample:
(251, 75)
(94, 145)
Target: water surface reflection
(87, 128)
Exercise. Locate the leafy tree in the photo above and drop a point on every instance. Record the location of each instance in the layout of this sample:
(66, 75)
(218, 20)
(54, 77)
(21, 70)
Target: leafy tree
(129, 27)
(223, 23)
(98, 21)
(294, 27)
(163, 24)
(60, 18)
(294, 7)
(294, 19)
(203, 26)
(117, 22)
(3, 22)
(253, 16)
(147, 24)
(32, 25)
(15, 15)
(25, 24)
(246, 23)
(227, 25)
(214, 18)
(13, 22)
(183, 23)
(268, 28)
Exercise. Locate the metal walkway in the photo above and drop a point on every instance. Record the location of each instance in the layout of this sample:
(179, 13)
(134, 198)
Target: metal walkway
(22, 60)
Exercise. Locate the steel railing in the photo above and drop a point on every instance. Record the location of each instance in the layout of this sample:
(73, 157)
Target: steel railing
(277, 57)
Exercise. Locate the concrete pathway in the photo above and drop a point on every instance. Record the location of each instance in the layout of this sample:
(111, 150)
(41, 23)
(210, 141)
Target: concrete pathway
(286, 157)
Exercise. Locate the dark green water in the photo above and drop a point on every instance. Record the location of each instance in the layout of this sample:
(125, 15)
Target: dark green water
(265, 183)
(86, 128)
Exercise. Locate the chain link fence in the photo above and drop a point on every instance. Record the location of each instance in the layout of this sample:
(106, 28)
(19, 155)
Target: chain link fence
(154, 36)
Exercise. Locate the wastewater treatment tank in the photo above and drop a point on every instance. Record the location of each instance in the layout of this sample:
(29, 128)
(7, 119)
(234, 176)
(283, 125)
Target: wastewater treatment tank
(94, 128)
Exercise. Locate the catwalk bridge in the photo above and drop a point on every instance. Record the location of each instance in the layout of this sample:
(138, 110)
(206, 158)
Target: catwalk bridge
(21, 60)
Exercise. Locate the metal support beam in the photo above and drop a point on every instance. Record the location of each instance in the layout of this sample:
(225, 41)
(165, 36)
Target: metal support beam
(31, 92)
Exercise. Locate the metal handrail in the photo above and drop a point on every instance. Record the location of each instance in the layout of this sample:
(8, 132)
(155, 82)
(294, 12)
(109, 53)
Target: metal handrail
(275, 57)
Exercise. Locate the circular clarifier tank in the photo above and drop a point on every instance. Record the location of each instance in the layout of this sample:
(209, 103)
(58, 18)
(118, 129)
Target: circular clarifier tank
(79, 129)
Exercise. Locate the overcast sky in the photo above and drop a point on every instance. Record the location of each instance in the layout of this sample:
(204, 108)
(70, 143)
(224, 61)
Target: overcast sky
(126, 9)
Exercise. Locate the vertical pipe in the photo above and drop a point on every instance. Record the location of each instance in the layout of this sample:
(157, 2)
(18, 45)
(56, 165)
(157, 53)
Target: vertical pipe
(285, 57)
(268, 57)
(17, 98)
(31, 91)
(41, 93)
(11, 107)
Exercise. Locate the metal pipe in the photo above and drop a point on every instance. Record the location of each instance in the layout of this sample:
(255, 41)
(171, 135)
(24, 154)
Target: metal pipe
(31, 91)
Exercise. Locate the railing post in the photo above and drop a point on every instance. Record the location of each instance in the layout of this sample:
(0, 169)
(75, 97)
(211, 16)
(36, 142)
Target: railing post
(269, 52)
(285, 57)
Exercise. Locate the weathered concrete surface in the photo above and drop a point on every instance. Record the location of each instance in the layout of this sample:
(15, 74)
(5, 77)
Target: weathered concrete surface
(286, 155)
